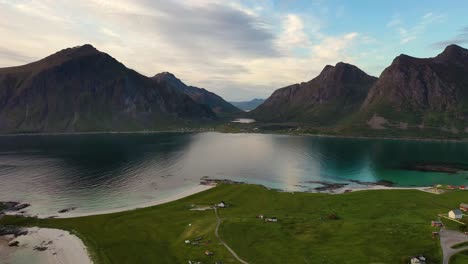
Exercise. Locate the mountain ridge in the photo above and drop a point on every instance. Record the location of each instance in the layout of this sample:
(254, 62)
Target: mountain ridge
(335, 91)
(423, 91)
(83, 89)
(199, 95)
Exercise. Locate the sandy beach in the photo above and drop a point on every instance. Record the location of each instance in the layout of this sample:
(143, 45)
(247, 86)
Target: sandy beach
(188, 192)
(380, 187)
(44, 245)
(60, 246)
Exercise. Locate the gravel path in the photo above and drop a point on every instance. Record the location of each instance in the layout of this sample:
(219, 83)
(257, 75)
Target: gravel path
(449, 238)
(222, 242)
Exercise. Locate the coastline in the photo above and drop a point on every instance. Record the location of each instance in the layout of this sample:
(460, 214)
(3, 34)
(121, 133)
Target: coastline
(214, 130)
(45, 246)
(380, 138)
(178, 196)
(342, 190)
(63, 247)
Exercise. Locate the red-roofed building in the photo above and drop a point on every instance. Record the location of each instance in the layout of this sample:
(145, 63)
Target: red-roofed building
(464, 207)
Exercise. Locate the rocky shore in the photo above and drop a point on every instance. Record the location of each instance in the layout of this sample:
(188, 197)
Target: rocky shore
(450, 168)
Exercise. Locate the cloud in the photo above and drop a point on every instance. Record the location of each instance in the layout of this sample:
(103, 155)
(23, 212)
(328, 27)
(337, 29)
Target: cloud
(410, 33)
(332, 47)
(229, 47)
(293, 34)
(201, 27)
(11, 57)
(460, 39)
(396, 21)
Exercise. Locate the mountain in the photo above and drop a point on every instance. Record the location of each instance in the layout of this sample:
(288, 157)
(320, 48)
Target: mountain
(83, 89)
(335, 93)
(431, 92)
(199, 95)
(248, 105)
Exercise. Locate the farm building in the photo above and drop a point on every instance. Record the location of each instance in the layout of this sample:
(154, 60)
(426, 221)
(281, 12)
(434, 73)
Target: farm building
(222, 204)
(418, 260)
(271, 219)
(455, 214)
(462, 187)
(464, 207)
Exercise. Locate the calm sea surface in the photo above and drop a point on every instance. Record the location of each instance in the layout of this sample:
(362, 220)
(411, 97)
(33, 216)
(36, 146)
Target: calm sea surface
(107, 171)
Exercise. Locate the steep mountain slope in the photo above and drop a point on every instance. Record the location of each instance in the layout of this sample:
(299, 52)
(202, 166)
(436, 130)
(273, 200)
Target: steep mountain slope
(248, 105)
(83, 89)
(199, 95)
(337, 92)
(429, 92)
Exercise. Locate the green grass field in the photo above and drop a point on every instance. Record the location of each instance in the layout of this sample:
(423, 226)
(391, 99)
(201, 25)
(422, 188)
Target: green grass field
(460, 258)
(386, 226)
(464, 244)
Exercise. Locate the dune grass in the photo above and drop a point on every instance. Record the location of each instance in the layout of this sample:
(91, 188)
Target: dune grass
(385, 226)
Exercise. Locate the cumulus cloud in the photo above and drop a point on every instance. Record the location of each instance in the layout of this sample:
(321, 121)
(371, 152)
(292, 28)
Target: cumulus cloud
(293, 32)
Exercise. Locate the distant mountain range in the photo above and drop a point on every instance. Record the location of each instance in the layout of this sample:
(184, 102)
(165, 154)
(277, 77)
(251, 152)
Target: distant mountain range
(411, 93)
(83, 89)
(248, 105)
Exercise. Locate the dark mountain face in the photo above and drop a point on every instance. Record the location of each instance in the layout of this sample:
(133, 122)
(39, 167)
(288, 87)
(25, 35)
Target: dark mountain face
(248, 105)
(199, 95)
(82, 89)
(425, 92)
(338, 91)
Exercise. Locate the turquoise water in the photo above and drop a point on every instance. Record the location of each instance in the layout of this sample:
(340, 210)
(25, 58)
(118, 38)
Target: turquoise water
(105, 171)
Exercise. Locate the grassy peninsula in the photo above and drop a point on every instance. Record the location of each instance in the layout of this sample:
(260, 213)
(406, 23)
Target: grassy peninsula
(378, 226)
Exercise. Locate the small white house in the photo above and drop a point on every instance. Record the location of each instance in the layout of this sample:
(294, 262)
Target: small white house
(418, 260)
(455, 214)
(221, 205)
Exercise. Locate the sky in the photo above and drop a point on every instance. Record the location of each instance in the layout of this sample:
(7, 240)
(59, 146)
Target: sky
(239, 49)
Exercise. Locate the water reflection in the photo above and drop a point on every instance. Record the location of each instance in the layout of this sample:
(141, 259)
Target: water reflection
(96, 172)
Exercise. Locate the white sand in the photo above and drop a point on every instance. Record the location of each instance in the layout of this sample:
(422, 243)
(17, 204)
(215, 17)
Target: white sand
(188, 192)
(65, 247)
(379, 187)
(62, 248)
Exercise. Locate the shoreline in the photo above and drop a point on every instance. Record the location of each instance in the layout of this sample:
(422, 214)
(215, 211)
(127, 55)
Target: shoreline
(60, 246)
(46, 246)
(175, 197)
(211, 184)
(380, 187)
(381, 138)
(213, 130)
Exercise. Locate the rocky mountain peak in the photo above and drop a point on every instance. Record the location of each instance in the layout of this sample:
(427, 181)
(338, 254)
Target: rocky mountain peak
(75, 52)
(342, 72)
(165, 76)
(454, 53)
